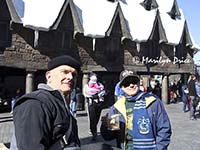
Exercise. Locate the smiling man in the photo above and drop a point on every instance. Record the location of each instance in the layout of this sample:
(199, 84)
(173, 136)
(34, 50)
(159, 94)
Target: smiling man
(42, 119)
(144, 123)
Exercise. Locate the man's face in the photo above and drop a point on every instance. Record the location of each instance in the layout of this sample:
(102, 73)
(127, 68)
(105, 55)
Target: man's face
(130, 86)
(62, 78)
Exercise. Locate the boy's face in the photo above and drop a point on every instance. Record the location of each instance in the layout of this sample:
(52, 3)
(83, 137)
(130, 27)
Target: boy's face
(131, 86)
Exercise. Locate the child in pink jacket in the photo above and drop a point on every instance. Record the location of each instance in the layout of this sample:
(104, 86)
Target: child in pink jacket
(95, 88)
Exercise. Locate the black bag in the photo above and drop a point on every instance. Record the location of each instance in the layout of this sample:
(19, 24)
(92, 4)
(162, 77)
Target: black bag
(61, 144)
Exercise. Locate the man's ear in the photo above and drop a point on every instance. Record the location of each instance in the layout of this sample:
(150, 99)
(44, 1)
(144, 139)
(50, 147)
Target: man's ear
(48, 75)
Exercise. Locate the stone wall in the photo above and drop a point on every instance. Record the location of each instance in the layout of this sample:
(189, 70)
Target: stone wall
(95, 55)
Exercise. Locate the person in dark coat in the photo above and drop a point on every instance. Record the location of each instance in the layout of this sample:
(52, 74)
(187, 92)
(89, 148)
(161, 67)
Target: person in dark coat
(143, 120)
(186, 106)
(42, 118)
(193, 95)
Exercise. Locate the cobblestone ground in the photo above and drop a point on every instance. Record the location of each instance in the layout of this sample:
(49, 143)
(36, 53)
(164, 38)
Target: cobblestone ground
(185, 132)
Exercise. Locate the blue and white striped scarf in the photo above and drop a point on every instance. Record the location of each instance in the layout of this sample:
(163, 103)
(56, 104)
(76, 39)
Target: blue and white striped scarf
(142, 131)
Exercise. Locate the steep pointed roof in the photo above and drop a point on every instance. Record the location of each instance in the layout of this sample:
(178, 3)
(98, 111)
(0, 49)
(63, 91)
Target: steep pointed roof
(170, 25)
(123, 23)
(77, 24)
(95, 18)
(149, 4)
(158, 24)
(187, 35)
(13, 12)
(174, 12)
(189, 39)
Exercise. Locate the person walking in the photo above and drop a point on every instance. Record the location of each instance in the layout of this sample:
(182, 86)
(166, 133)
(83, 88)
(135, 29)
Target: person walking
(186, 106)
(42, 119)
(94, 92)
(198, 87)
(157, 89)
(173, 92)
(143, 121)
(192, 95)
(18, 93)
(198, 94)
(73, 102)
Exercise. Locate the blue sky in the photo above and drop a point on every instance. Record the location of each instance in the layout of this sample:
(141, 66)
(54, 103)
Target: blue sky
(191, 12)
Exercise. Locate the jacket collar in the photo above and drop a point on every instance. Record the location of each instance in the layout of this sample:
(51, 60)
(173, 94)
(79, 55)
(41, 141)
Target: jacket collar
(46, 87)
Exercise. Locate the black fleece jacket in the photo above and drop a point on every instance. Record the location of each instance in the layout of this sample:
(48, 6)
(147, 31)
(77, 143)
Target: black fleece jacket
(41, 118)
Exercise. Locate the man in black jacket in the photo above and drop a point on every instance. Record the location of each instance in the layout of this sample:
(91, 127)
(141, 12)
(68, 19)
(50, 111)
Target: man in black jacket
(42, 118)
(193, 94)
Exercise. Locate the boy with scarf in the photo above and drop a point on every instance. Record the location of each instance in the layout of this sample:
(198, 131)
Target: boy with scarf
(144, 123)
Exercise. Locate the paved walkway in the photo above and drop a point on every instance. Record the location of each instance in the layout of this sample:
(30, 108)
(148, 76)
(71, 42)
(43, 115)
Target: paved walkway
(185, 132)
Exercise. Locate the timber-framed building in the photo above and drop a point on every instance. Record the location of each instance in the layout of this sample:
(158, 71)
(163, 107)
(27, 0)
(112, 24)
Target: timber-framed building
(106, 36)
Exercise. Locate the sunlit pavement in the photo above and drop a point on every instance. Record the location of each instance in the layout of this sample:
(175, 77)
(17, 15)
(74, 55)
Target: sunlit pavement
(185, 132)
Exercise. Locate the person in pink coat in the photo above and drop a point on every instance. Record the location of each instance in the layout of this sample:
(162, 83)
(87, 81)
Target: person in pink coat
(94, 92)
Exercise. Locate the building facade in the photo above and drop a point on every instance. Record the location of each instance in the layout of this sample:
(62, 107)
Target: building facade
(26, 45)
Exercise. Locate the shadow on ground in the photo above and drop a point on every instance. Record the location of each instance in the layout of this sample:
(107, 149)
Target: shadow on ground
(98, 144)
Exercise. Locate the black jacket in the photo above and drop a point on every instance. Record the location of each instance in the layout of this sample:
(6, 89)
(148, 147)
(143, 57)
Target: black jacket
(192, 88)
(41, 118)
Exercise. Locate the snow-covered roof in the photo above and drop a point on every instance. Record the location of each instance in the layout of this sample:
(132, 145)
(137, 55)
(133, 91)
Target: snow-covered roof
(41, 13)
(140, 21)
(173, 28)
(96, 16)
